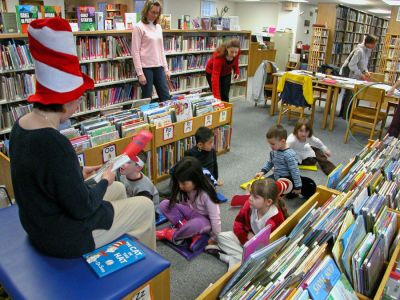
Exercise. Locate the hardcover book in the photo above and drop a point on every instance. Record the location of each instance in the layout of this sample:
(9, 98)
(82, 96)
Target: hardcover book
(25, 15)
(114, 256)
(86, 18)
(99, 17)
(131, 19)
(51, 11)
(8, 22)
(165, 21)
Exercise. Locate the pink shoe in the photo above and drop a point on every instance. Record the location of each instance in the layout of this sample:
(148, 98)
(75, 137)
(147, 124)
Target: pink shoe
(196, 243)
(166, 233)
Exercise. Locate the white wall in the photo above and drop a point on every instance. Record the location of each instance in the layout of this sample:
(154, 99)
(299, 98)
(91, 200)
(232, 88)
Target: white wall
(254, 16)
(304, 14)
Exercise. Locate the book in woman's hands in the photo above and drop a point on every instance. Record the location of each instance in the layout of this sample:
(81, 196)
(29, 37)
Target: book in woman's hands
(114, 256)
(117, 162)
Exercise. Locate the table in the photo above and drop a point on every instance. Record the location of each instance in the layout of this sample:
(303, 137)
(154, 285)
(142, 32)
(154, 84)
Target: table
(332, 94)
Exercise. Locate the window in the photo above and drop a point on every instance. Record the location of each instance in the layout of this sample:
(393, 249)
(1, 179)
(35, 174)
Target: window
(208, 8)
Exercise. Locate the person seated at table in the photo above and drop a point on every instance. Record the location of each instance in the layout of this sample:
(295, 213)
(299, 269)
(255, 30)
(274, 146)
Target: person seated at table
(356, 67)
(394, 128)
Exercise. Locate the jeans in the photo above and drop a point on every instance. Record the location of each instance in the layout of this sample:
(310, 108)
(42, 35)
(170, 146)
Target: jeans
(157, 77)
(224, 85)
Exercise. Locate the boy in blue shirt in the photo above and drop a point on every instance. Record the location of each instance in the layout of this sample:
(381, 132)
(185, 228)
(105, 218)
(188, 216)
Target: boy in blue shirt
(284, 161)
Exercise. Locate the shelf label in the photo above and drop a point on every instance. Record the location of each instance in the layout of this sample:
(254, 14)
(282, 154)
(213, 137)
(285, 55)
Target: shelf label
(222, 116)
(208, 120)
(109, 152)
(168, 133)
(188, 127)
(143, 294)
(81, 159)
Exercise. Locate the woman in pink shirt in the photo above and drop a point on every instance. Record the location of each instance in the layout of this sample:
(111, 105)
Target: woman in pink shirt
(193, 208)
(148, 52)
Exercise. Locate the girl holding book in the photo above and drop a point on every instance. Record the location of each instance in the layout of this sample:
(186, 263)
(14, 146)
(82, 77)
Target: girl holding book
(193, 208)
(309, 149)
(219, 69)
(62, 215)
(148, 52)
(262, 209)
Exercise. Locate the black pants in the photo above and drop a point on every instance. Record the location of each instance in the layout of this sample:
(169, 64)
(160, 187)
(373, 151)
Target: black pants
(224, 86)
(308, 187)
(157, 77)
(348, 94)
(326, 165)
(394, 128)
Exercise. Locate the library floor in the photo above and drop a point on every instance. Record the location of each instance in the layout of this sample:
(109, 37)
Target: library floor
(248, 154)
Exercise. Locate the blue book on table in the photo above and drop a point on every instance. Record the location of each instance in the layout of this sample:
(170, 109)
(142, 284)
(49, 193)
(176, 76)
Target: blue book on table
(114, 256)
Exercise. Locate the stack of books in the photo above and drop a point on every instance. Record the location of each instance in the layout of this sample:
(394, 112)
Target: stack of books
(299, 265)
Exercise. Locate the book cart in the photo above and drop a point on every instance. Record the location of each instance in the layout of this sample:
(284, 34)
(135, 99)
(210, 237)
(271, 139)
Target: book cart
(106, 57)
(320, 197)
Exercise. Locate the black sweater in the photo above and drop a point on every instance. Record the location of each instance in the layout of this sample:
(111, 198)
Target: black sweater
(56, 208)
(208, 159)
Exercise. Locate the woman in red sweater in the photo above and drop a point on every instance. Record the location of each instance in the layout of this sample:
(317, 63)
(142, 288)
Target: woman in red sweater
(219, 69)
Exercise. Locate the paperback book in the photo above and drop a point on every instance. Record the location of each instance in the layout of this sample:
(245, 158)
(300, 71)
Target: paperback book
(51, 11)
(25, 15)
(114, 256)
(86, 18)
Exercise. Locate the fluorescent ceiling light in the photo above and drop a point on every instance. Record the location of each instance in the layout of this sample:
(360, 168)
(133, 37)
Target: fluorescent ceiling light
(392, 2)
(252, 0)
(356, 2)
(379, 11)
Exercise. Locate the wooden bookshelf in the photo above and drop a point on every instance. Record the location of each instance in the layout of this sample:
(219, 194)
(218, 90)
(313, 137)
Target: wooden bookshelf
(318, 47)
(175, 132)
(195, 77)
(347, 27)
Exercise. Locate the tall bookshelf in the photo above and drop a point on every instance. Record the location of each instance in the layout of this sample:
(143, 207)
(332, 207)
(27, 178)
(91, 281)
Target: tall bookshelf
(186, 50)
(347, 27)
(317, 51)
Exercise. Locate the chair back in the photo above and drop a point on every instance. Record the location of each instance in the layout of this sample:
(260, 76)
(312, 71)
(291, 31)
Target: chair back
(374, 96)
(377, 77)
(293, 93)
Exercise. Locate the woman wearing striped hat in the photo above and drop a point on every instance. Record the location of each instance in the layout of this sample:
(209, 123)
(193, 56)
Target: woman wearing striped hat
(61, 214)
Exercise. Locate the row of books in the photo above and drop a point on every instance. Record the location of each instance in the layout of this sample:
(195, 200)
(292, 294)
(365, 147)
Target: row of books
(89, 47)
(8, 115)
(18, 86)
(167, 156)
(188, 82)
(101, 98)
(179, 43)
(297, 264)
(107, 71)
(376, 168)
(15, 56)
(188, 62)
(237, 91)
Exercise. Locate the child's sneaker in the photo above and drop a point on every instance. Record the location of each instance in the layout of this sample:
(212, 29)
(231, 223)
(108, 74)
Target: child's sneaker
(213, 250)
(166, 233)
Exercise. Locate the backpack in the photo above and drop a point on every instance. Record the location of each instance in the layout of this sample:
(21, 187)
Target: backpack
(345, 72)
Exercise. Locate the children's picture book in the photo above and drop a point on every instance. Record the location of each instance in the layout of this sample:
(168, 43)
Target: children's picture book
(248, 183)
(8, 22)
(183, 110)
(185, 22)
(326, 279)
(114, 256)
(342, 290)
(108, 24)
(99, 17)
(51, 11)
(308, 168)
(334, 177)
(130, 20)
(165, 21)
(25, 15)
(118, 23)
(86, 18)
(259, 241)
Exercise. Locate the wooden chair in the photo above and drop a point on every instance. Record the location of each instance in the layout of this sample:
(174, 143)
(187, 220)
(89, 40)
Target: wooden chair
(269, 83)
(365, 117)
(287, 107)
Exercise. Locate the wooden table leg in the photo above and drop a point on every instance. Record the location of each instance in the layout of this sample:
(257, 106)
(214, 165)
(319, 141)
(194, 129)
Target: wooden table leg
(327, 106)
(274, 97)
(333, 108)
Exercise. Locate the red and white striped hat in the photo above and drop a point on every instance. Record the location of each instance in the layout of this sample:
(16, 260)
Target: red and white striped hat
(58, 75)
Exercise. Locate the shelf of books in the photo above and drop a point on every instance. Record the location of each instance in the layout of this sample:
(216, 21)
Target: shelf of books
(106, 57)
(390, 58)
(173, 140)
(317, 52)
(347, 29)
(357, 227)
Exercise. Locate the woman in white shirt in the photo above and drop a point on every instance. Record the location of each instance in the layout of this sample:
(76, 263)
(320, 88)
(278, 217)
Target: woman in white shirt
(309, 149)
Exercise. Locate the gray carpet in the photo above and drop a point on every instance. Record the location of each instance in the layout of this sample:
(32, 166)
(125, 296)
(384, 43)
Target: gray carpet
(249, 152)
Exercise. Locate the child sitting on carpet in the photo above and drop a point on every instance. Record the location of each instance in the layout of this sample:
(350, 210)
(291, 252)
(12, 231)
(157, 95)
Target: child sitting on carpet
(260, 210)
(284, 162)
(193, 207)
(309, 149)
